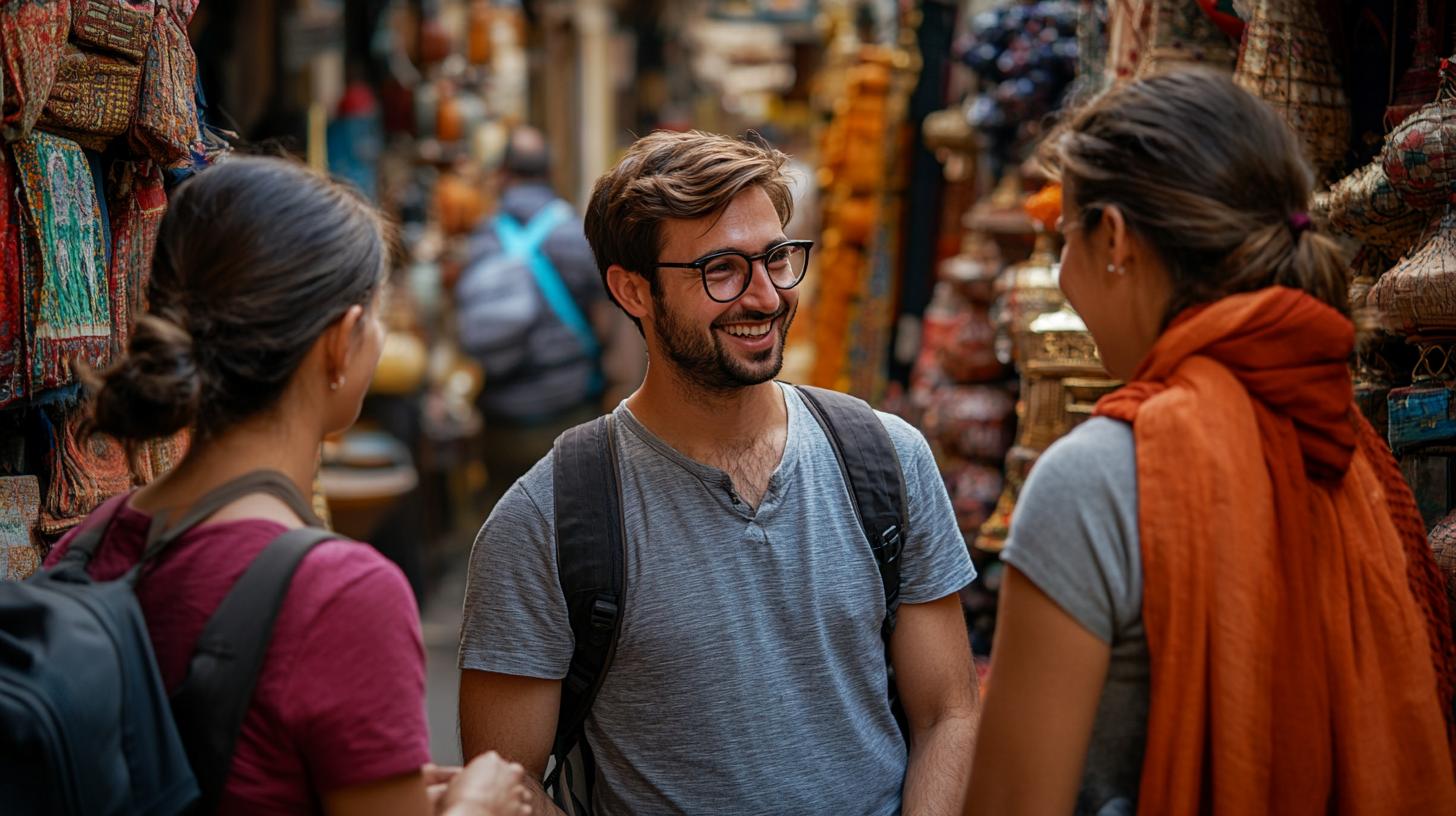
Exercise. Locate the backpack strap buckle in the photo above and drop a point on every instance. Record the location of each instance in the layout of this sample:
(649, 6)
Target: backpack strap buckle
(603, 618)
(888, 544)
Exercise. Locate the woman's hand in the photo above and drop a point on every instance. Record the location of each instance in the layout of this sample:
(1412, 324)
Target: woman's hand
(437, 780)
(488, 786)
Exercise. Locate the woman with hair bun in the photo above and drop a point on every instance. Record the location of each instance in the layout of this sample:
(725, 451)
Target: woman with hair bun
(1219, 598)
(262, 336)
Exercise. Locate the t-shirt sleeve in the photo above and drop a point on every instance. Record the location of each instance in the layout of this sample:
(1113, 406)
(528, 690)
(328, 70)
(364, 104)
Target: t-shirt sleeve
(516, 620)
(1074, 531)
(359, 683)
(935, 562)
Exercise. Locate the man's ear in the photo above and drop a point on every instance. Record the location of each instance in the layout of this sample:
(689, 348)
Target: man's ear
(631, 290)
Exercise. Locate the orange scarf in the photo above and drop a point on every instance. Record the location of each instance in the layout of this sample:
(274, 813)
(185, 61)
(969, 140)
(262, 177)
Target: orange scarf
(1302, 658)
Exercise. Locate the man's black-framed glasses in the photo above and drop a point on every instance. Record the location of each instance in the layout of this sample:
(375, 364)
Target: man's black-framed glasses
(726, 275)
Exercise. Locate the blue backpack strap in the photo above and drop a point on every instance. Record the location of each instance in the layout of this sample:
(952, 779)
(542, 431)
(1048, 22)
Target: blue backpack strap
(871, 469)
(525, 243)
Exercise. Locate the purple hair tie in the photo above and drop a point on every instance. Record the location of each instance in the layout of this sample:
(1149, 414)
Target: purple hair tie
(1299, 222)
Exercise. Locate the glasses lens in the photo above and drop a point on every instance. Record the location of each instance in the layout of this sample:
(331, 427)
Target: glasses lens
(726, 276)
(786, 265)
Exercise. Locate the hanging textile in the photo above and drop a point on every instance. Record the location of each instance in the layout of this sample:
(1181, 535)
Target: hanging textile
(166, 128)
(120, 26)
(93, 99)
(1285, 60)
(19, 511)
(136, 203)
(32, 39)
(1148, 37)
(67, 304)
(82, 473)
(12, 297)
(157, 456)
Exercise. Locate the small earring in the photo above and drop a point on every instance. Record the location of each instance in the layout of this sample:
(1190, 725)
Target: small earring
(333, 386)
(1122, 270)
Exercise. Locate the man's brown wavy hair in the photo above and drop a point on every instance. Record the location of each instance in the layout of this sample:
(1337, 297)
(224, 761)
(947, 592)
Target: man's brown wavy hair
(675, 175)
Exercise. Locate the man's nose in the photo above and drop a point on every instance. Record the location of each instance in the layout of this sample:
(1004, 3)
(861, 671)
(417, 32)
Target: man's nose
(761, 296)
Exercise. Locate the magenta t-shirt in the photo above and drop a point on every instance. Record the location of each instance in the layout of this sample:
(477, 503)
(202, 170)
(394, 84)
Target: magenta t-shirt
(341, 698)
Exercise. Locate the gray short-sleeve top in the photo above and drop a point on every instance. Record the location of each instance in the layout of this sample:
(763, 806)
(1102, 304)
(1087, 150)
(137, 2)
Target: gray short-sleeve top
(1074, 534)
(750, 674)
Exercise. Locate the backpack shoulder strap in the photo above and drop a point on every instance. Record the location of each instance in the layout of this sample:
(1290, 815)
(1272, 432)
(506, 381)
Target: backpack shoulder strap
(212, 702)
(591, 563)
(871, 469)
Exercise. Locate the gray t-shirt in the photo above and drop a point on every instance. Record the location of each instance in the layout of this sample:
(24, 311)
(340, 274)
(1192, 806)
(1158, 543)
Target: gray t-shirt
(749, 676)
(1075, 535)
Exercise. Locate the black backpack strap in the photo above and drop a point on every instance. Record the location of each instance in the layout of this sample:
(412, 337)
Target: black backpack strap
(591, 560)
(212, 702)
(871, 468)
(83, 547)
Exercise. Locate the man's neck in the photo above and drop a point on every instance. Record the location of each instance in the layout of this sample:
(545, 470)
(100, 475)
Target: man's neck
(701, 425)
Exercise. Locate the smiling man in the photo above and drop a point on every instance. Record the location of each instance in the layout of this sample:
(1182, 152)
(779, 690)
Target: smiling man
(749, 671)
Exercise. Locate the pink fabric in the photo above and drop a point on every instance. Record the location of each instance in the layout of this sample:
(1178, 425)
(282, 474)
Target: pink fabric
(341, 699)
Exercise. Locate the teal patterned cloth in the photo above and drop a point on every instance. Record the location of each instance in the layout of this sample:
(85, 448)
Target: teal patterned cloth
(67, 286)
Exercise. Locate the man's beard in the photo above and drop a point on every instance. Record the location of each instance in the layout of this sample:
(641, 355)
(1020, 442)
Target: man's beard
(702, 360)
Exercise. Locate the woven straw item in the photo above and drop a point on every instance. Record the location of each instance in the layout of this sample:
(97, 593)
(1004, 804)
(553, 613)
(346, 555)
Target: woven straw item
(1366, 205)
(1419, 294)
(1285, 60)
(1423, 78)
(1420, 155)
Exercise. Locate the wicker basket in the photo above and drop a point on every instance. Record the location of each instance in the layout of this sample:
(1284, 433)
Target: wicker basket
(1285, 60)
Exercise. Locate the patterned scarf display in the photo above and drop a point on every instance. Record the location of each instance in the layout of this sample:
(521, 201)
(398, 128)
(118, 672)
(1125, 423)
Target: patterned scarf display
(82, 473)
(19, 511)
(135, 203)
(12, 297)
(32, 39)
(166, 126)
(68, 307)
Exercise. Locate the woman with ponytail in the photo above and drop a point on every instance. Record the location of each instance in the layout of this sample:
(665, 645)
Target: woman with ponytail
(1219, 597)
(262, 335)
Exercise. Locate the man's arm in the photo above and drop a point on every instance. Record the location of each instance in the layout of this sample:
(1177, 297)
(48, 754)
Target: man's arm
(515, 717)
(931, 653)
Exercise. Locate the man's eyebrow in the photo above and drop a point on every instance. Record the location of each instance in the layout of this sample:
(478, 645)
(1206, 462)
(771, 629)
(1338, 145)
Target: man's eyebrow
(766, 247)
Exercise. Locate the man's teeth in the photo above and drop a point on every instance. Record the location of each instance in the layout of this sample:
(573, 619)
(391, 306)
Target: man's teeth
(749, 330)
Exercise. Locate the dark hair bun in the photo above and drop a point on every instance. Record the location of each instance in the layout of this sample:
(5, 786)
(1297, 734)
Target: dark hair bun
(153, 391)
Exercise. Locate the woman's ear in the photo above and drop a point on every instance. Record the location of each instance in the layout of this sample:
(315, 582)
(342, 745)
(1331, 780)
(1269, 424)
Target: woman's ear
(631, 290)
(339, 341)
(1116, 238)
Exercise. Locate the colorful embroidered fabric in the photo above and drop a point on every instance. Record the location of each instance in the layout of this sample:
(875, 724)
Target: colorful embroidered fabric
(1147, 37)
(19, 511)
(1420, 155)
(82, 474)
(157, 456)
(32, 39)
(121, 26)
(135, 203)
(94, 97)
(12, 296)
(68, 310)
(166, 128)
(1286, 61)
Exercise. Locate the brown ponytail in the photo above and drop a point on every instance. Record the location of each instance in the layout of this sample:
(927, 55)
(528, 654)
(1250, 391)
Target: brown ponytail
(254, 259)
(1210, 177)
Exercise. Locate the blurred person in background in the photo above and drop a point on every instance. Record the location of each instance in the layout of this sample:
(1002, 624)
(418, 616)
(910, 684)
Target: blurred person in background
(532, 312)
